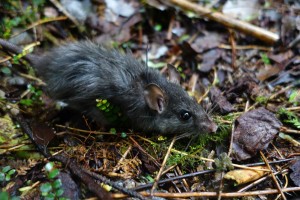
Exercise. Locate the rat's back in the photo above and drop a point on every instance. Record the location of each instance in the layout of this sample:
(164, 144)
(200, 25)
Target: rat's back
(78, 73)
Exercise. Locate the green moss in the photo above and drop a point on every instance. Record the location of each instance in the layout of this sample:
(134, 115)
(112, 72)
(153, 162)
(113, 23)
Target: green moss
(27, 16)
(289, 117)
(262, 99)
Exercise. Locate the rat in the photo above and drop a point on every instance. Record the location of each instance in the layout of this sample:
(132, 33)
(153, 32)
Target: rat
(79, 73)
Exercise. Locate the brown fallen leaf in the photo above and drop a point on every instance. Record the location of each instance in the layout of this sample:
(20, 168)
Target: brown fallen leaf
(243, 85)
(266, 71)
(241, 176)
(295, 175)
(254, 130)
(42, 133)
(223, 105)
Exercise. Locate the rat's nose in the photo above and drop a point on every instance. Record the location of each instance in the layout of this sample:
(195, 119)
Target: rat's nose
(211, 127)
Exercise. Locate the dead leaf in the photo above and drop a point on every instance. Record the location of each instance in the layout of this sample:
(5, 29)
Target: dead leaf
(128, 168)
(42, 133)
(209, 60)
(244, 85)
(295, 175)
(266, 71)
(223, 105)
(120, 7)
(209, 41)
(254, 130)
(241, 176)
(281, 57)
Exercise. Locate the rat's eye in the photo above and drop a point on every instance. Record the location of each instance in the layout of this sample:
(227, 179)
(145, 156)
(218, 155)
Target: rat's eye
(185, 115)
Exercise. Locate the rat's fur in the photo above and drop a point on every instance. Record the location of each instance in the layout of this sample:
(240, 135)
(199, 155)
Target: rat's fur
(79, 73)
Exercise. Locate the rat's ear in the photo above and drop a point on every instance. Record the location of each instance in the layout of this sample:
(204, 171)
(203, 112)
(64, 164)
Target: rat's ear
(155, 97)
(174, 76)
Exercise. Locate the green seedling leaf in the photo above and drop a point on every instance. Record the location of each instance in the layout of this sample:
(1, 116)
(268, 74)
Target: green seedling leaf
(49, 166)
(54, 173)
(59, 192)
(11, 172)
(6, 169)
(16, 59)
(149, 178)
(6, 70)
(57, 183)
(265, 58)
(26, 102)
(14, 198)
(45, 188)
(2, 177)
(113, 131)
(50, 196)
(4, 195)
(158, 27)
(7, 177)
(123, 135)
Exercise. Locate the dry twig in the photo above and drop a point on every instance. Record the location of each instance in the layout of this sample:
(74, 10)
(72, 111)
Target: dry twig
(249, 29)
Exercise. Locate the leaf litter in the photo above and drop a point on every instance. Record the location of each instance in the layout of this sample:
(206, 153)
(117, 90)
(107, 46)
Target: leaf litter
(248, 85)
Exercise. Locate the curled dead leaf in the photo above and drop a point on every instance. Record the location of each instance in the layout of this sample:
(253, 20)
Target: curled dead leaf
(241, 176)
(254, 130)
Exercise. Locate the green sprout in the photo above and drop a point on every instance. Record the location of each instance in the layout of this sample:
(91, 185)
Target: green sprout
(265, 58)
(261, 99)
(289, 117)
(6, 173)
(34, 97)
(111, 112)
(52, 189)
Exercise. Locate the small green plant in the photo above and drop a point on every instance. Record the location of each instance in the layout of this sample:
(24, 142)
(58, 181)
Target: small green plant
(28, 15)
(34, 96)
(6, 71)
(53, 188)
(289, 117)
(223, 163)
(6, 173)
(265, 58)
(294, 96)
(4, 195)
(112, 113)
(261, 99)
(158, 27)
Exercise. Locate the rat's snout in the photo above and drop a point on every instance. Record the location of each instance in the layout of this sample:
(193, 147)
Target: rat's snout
(213, 127)
(210, 127)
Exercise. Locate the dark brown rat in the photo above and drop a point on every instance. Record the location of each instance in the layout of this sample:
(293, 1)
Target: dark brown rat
(79, 73)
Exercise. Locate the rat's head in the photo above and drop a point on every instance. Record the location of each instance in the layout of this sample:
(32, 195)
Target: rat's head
(175, 111)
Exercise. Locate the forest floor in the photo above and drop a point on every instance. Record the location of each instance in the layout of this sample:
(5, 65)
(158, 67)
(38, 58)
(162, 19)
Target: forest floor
(238, 59)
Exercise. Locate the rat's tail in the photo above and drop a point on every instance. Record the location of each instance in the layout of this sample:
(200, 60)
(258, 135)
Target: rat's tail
(15, 49)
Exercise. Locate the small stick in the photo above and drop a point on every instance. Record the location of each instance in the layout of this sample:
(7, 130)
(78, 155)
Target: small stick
(212, 194)
(43, 21)
(247, 28)
(162, 166)
(273, 176)
(233, 49)
(63, 10)
(260, 180)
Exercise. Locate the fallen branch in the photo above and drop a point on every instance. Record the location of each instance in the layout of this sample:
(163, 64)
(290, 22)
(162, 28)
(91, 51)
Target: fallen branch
(212, 194)
(244, 27)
